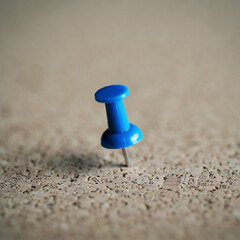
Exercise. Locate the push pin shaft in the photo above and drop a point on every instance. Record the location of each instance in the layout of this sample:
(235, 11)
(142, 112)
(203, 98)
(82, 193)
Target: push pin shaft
(125, 154)
(120, 133)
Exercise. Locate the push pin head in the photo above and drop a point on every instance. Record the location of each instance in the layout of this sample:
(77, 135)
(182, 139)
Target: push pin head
(120, 133)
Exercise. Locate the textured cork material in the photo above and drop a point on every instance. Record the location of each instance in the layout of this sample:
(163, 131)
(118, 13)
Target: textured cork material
(180, 60)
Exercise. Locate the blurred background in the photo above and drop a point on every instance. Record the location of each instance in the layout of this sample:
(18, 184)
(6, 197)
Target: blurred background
(171, 54)
(180, 60)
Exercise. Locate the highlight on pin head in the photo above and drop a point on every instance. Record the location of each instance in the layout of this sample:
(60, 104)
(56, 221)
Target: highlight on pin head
(120, 133)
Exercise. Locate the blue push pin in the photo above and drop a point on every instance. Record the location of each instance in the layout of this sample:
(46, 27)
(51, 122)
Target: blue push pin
(120, 133)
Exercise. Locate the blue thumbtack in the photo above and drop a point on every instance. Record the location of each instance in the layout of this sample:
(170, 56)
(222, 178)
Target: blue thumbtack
(120, 133)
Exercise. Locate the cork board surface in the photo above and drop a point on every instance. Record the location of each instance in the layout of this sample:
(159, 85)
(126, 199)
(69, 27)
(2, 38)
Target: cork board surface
(180, 60)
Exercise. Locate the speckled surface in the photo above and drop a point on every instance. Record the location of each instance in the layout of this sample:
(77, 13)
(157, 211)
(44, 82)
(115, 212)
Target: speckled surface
(180, 61)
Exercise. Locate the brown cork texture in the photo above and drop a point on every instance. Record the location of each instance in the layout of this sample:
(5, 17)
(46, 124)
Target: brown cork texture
(181, 62)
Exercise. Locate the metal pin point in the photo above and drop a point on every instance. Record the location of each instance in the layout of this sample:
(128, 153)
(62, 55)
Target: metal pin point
(120, 133)
(125, 155)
